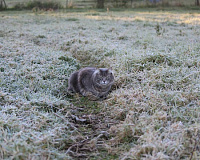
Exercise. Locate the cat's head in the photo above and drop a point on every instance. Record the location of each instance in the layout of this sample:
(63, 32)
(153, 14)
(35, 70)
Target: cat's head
(103, 76)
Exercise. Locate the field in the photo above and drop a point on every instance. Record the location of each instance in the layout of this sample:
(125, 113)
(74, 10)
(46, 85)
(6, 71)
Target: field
(153, 110)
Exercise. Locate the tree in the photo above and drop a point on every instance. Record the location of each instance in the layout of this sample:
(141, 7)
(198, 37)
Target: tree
(197, 2)
(3, 4)
(100, 3)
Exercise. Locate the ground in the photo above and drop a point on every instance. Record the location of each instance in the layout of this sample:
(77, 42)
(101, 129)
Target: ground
(152, 111)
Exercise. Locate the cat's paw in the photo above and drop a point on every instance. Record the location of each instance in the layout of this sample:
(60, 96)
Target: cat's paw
(83, 92)
(91, 96)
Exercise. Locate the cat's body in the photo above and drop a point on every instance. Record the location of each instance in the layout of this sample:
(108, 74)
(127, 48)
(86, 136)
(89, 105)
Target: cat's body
(91, 82)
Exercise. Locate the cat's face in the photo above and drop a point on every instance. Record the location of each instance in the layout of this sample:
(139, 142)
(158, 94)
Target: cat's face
(104, 76)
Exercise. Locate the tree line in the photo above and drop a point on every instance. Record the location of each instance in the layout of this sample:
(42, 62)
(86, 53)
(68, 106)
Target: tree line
(100, 3)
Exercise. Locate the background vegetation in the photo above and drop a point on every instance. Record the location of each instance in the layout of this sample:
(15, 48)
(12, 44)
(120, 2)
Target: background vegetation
(152, 111)
(47, 4)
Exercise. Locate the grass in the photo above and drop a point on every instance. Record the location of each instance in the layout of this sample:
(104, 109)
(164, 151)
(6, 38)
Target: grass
(152, 111)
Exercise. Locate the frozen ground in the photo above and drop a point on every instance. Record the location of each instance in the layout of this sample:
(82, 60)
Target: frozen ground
(153, 110)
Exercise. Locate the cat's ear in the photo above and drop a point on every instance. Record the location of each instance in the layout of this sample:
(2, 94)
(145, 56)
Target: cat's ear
(110, 70)
(97, 71)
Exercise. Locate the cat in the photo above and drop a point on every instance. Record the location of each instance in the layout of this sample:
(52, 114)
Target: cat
(95, 83)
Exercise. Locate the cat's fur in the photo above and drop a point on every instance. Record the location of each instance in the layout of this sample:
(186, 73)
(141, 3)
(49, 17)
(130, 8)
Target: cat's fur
(91, 82)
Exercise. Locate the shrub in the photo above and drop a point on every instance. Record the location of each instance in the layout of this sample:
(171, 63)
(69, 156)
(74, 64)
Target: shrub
(38, 4)
(19, 6)
(44, 5)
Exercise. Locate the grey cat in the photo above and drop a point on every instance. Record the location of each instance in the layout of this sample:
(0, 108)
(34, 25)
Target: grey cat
(91, 82)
